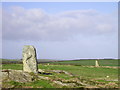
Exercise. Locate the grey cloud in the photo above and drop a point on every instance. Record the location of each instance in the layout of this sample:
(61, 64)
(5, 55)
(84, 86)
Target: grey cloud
(36, 24)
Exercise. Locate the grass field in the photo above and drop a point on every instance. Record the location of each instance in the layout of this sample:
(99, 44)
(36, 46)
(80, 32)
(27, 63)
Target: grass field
(102, 62)
(88, 72)
(80, 69)
(89, 62)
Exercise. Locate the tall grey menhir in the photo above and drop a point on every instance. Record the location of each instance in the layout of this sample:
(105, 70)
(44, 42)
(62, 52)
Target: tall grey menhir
(29, 59)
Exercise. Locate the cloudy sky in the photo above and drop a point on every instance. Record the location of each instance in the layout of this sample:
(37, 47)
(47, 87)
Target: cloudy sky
(60, 30)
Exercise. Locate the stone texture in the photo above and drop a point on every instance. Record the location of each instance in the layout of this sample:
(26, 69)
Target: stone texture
(29, 59)
(96, 63)
(16, 75)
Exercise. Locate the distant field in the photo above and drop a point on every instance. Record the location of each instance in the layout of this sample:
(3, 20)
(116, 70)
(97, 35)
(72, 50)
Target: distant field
(102, 62)
(89, 62)
(19, 61)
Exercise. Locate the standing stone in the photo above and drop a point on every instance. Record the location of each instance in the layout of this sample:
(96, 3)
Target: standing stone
(29, 59)
(96, 63)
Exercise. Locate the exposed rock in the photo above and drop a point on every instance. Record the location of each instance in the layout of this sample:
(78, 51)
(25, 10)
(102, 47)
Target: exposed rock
(21, 76)
(65, 84)
(41, 70)
(16, 75)
(29, 59)
(43, 78)
(61, 71)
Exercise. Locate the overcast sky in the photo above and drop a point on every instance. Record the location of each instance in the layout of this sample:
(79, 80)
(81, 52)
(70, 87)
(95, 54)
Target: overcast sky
(60, 30)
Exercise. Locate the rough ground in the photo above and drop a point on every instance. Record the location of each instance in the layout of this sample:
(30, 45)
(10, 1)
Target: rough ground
(72, 81)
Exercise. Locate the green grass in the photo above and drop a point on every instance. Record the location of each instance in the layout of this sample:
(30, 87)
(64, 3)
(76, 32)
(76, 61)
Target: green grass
(84, 71)
(102, 62)
(88, 72)
(40, 84)
(63, 76)
(12, 66)
(58, 75)
(89, 62)
(36, 84)
(104, 81)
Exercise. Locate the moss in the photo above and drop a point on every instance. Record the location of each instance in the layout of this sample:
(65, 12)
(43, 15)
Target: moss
(12, 84)
(41, 83)
(35, 76)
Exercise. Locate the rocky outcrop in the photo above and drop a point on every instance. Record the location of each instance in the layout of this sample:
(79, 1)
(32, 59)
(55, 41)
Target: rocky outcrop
(16, 75)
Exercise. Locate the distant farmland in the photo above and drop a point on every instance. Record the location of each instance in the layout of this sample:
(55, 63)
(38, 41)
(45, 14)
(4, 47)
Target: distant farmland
(83, 62)
(102, 62)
